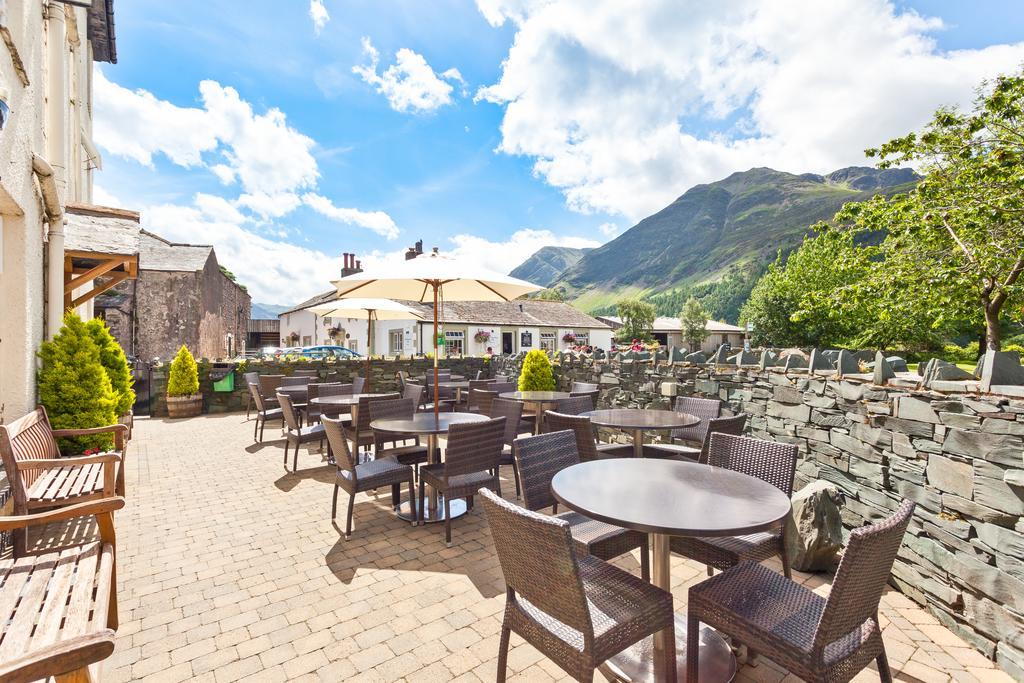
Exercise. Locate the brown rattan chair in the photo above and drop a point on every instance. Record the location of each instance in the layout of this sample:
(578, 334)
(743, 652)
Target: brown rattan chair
(512, 411)
(818, 639)
(770, 461)
(294, 381)
(306, 373)
(734, 424)
(313, 411)
(480, 401)
(264, 412)
(586, 440)
(576, 609)
(268, 388)
(407, 454)
(470, 463)
(414, 392)
(250, 378)
(356, 478)
(575, 405)
(361, 434)
(295, 434)
(357, 384)
(539, 459)
(704, 408)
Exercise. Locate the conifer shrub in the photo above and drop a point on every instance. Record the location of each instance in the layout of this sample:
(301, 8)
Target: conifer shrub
(74, 386)
(184, 375)
(536, 374)
(116, 365)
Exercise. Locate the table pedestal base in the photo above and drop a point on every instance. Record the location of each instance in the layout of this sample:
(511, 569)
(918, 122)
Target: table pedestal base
(458, 508)
(717, 663)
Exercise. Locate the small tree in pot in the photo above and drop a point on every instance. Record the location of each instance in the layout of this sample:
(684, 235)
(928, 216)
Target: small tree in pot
(183, 397)
(536, 374)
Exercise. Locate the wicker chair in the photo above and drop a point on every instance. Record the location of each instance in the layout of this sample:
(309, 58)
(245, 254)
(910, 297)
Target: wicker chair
(400, 379)
(582, 387)
(480, 401)
(470, 463)
(818, 639)
(313, 411)
(576, 609)
(734, 424)
(586, 441)
(512, 411)
(414, 392)
(704, 408)
(264, 411)
(357, 384)
(250, 378)
(400, 408)
(334, 389)
(294, 381)
(361, 435)
(356, 478)
(268, 388)
(296, 434)
(539, 459)
(770, 461)
(575, 405)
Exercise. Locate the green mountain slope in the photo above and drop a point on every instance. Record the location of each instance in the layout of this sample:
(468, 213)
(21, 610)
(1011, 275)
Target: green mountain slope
(547, 263)
(738, 223)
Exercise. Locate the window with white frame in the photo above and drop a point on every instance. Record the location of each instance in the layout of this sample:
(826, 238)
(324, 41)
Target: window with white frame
(453, 343)
(582, 338)
(547, 341)
(353, 345)
(307, 340)
(395, 341)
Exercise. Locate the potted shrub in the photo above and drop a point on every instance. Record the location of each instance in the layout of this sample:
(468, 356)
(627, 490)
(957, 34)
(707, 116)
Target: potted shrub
(116, 366)
(183, 397)
(536, 374)
(74, 388)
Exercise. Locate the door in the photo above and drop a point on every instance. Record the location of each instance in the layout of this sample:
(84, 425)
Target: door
(506, 343)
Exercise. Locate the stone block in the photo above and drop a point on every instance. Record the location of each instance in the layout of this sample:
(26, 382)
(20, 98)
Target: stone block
(815, 401)
(994, 620)
(976, 511)
(795, 413)
(823, 419)
(882, 438)
(1014, 478)
(814, 532)
(953, 476)
(910, 408)
(786, 394)
(881, 370)
(846, 364)
(1001, 539)
(960, 420)
(999, 448)
(908, 427)
(852, 445)
(990, 489)
(1001, 367)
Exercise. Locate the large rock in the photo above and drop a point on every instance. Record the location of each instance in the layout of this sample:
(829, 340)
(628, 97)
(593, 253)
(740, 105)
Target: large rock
(1000, 368)
(814, 529)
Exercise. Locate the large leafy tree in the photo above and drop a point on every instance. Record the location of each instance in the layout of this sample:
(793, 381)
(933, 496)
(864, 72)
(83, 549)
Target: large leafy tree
(694, 320)
(637, 320)
(954, 245)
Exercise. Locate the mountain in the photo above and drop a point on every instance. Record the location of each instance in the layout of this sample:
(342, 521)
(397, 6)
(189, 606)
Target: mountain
(733, 225)
(547, 263)
(266, 311)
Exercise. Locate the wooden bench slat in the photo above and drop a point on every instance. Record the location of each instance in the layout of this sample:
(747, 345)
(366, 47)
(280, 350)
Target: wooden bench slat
(65, 483)
(72, 480)
(48, 623)
(81, 606)
(18, 632)
(16, 574)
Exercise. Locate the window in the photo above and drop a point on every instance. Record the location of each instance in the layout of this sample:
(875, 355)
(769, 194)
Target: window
(582, 338)
(547, 341)
(353, 345)
(453, 343)
(307, 340)
(395, 339)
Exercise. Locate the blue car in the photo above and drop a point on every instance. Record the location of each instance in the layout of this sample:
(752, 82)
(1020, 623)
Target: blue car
(318, 352)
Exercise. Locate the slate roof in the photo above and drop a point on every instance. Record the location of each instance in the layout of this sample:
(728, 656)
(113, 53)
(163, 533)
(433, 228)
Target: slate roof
(312, 301)
(101, 230)
(156, 253)
(666, 324)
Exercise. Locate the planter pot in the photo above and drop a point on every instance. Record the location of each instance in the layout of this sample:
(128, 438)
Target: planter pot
(185, 406)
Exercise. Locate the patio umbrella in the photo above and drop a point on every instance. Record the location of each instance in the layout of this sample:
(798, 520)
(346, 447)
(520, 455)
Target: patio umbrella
(432, 278)
(371, 309)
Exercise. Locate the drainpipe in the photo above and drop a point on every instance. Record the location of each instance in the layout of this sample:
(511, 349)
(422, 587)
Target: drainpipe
(53, 179)
(54, 216)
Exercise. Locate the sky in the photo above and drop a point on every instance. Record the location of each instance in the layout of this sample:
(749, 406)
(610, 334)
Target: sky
(291, 132)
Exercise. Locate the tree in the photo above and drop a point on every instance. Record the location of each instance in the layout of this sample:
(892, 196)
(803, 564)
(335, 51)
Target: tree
(958, 237)
(536, 374)
(183, 379)
(114, 363)
(637, 320)
(74, 387)
(694, 320)
(550, 294)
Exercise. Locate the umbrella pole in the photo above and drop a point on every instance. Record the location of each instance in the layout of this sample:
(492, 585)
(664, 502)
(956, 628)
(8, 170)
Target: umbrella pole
(437, 394)
(369, 346)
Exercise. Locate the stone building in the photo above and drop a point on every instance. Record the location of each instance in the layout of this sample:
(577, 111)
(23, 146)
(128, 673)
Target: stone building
(47, 52)
(181, 296)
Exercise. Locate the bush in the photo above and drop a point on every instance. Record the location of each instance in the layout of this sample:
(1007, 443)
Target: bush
(184, 377)
(536, 374)
(74, 387)
(116, 365)
(961, 354)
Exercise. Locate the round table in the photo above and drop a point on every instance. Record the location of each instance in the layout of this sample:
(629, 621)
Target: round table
(537, 398)
(638, 420)
(294, 391)
(457, 385)
(427, 424)
(430, 378)
(669, 498)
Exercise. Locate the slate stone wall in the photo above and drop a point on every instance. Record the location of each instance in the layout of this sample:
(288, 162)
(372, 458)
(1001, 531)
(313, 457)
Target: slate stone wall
(961, 457)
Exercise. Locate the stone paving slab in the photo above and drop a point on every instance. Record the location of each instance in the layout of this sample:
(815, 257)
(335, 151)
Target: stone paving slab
(230, 569)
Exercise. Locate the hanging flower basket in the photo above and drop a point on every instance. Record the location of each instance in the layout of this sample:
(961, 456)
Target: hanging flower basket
(569, 338)
(482, 337)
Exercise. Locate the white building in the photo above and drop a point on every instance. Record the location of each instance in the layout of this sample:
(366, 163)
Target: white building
(669, 332)
(46, 145)
(469, 328)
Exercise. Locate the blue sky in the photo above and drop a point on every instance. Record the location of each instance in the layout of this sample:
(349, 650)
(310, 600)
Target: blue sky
(606, 117)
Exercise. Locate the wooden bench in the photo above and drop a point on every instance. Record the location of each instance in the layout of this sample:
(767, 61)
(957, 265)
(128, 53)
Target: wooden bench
(41, 479)
(58, 607)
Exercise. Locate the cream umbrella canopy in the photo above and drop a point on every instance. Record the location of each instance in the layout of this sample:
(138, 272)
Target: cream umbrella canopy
(433, 278)
(370, 309)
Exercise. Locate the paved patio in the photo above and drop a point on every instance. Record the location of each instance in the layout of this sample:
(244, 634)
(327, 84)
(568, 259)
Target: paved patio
(230, 569)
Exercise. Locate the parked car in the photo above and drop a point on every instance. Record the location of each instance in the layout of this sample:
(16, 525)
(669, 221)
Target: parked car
(328, 351)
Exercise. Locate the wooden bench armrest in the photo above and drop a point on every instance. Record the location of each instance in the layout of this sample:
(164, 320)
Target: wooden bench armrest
(59, 658)
(91, 430)
(53, 463)
(94, 508)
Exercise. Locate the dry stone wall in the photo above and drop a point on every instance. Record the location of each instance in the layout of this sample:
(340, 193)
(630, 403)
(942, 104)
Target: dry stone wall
(960, 456)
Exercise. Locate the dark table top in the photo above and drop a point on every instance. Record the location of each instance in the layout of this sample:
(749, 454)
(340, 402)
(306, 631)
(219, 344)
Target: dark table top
(671, 497)
(430, 378)
(425, 423)
(293, 389)
(454, 384)
(641, 418)
(342, 400)
(536, 396)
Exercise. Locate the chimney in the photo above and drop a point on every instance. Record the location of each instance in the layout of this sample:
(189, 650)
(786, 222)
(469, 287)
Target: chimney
(359, 266)
(414, 251)
(419, 247)
(350, 266)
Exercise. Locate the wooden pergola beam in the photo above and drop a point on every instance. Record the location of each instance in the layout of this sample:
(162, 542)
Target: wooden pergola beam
(99, 289)
(96, 271)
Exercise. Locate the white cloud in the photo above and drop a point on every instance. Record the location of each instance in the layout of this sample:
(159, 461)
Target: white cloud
(410, 84)
(378, 221)
(270, 205)
(318, 13)
(101, 197)
(624, 106)
(608, 229)
(504, 256)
